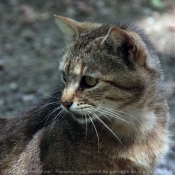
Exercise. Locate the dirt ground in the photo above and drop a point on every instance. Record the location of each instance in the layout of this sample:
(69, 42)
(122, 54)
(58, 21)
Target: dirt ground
(31, 45)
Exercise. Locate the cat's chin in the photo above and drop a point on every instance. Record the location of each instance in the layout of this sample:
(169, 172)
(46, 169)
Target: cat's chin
(79, 116)
(83, 119)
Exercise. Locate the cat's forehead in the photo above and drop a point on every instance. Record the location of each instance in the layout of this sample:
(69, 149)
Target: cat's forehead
(76, 64)
(95, 64)
(88, 56)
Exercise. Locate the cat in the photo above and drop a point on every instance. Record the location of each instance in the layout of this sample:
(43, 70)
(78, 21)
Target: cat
(111, 116)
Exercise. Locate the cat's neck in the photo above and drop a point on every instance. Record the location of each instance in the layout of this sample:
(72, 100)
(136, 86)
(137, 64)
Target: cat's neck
(135, 123)
(129, 121)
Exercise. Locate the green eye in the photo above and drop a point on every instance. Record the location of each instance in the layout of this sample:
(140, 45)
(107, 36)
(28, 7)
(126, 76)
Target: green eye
(89, 82)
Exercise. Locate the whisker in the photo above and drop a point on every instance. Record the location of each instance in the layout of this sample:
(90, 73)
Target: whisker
(114, 115)
(42, 106)
(53, 122)
(49, 115)
(130, 116)
(86, 124)
(44, 117)
(122, 113)
(101, 112)
(48, 95)
(60, 112)
(95, 130)
(98, 118)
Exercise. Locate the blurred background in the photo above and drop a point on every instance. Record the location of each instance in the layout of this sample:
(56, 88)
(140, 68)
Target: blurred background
(31, 45)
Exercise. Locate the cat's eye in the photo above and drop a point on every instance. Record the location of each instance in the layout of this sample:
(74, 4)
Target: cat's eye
(88, 82)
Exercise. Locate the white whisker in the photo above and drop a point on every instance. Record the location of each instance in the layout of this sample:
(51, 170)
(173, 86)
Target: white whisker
(45, 116)
(48, 95)
(101, 112)
(125, 113)
(48, 116)
(86, 124)
(43, 106)
(95, 130)
(98, 118)
(122, 112)
(54, 120)
(114, 115)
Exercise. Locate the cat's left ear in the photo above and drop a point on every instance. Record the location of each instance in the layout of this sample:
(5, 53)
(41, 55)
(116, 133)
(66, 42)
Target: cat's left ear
(69, 27)
(119, 38)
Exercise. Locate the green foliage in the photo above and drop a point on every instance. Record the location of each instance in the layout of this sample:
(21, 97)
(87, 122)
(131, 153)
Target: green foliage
(157, 4)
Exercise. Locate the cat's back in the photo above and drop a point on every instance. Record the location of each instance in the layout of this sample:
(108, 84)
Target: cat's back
(61, 149)
(75, 151)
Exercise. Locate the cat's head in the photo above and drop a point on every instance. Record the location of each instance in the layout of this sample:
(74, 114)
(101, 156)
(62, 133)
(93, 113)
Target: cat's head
(105, 68)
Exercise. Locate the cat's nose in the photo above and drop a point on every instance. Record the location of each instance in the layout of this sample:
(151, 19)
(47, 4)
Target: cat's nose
(66, 104)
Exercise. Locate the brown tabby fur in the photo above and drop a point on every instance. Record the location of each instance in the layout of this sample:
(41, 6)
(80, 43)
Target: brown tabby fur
(129, 75)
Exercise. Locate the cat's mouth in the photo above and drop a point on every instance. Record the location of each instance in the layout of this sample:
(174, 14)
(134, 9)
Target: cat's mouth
(77, 110)
(82, 114)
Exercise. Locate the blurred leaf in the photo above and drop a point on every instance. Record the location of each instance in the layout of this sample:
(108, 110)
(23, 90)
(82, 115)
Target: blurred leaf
(157, 4)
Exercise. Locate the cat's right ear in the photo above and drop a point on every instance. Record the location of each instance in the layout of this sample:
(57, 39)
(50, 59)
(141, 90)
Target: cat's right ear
(69, 27)
(128, 42)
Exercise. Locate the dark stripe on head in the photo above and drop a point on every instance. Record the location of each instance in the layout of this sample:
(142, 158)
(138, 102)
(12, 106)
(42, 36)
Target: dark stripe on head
(115, 99)
(120, 86)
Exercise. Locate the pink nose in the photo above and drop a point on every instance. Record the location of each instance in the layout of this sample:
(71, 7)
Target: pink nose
(66, 104)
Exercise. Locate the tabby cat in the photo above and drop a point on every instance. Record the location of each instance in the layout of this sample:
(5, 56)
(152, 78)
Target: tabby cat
(111, 118)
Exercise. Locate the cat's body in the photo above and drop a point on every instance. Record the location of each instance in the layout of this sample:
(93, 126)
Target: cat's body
(113, 78)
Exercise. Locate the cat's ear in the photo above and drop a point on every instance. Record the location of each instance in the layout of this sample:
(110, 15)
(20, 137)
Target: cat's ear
(69, 27)
(121, 39)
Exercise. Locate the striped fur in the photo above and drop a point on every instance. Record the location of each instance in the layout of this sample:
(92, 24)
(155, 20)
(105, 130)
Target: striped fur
(118, 125)
(129, 82)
